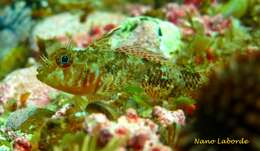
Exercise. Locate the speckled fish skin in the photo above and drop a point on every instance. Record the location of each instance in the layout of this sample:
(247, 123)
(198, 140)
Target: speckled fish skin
(99, 68)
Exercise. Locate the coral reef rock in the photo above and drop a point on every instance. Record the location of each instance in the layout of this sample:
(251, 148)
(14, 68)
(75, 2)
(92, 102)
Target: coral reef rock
(150, 33)
(141, 133)
(22, 85)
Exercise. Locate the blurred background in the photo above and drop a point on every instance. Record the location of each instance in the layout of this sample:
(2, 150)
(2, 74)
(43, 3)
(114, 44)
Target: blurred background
(218, 38)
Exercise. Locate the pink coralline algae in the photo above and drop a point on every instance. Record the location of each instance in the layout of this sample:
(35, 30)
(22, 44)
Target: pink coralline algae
(177, 13)
(215, 24)
(22, 84)
(141, 134)
(181, 14)
(22, 144)
(137, 9)
(198, 2)
(4, 88)
(166, 117)
(80, 33)
(83, 39)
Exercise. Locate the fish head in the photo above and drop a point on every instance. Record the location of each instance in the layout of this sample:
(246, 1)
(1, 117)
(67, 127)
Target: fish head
(69, 71)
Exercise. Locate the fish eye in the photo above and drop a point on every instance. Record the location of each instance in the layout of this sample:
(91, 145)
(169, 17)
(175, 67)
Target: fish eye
(64, 60)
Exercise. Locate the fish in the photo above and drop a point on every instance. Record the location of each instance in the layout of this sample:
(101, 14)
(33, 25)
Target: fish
(100, 68)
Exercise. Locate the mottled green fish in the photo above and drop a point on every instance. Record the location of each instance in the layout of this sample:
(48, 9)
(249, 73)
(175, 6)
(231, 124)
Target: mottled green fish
(101, 68)
(98, 68)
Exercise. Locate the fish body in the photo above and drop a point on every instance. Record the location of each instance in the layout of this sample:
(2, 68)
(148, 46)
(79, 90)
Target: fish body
(103, 68)
(98, 68)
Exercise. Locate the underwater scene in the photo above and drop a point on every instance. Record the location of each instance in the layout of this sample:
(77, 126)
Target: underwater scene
(129, 75)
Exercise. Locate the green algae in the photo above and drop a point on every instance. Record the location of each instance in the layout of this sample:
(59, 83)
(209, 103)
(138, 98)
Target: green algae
(28, 118)
(236, 8)
(12, 59)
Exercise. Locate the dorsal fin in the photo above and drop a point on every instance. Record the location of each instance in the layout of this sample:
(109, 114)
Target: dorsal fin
(69, 44)
(143, 53)
(103, 42)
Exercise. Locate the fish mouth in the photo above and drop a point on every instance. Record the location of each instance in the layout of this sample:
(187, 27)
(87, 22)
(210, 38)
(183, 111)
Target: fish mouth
(42, 77)
(40, 73)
